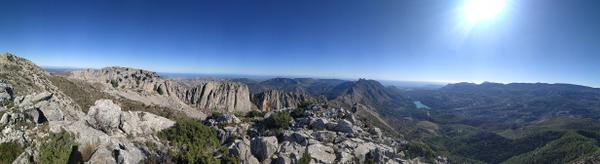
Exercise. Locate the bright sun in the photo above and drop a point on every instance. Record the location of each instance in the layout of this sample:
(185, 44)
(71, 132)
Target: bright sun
(483, 10)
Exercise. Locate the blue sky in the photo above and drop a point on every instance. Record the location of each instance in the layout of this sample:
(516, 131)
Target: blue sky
(420, 40)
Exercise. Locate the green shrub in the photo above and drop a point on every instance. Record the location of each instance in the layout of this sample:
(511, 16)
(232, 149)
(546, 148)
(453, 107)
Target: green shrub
(216, 114)
(194, 142)
(305, 159)
(255, 113)
(57, 148)
(419, 150)
(278, 120)
(297, 113)
(10, 58)
(228, 158)
(305, 103)
(114, 83)
(9, 151)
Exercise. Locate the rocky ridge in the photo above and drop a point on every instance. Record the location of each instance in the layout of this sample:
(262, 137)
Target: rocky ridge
(208, 96)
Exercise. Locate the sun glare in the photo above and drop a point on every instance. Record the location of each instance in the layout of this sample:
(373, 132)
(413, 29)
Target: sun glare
(483, 10)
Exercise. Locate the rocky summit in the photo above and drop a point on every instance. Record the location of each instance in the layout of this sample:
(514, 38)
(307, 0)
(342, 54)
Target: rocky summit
(126, 115)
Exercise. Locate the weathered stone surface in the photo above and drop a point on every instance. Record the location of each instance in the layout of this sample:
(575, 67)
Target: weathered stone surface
(321, 153)
(143, 123)
(41, 97)
(296, 137)
(104, 116)
(221, 96)
(344, 126)
(290, 151)
(345, 157)
(264, 147)
(51, 110)
(103, 156)
(5, 119)
(319, 124)
(325, 136)
(362, 150)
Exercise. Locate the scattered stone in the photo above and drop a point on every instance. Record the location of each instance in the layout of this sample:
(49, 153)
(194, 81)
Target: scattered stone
(228, 119)
(264, 147)
(325, 136)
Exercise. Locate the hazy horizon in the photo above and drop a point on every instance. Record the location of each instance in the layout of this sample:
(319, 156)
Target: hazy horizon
(386, 82)
(429, 40)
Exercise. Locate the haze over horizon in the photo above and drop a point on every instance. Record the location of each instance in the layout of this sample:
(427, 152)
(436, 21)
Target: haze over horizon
(527, 41)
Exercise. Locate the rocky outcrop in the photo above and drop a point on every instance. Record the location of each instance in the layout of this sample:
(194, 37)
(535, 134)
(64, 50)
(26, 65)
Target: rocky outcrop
(221, 96)
(207, 95)
(276, 99)
(327, 135)
(121, 77)
(114, 132)
(108, 117)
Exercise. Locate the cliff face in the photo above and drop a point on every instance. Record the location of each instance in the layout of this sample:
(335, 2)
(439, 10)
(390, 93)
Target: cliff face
(208, 96)
(221, 96)
(276, 99)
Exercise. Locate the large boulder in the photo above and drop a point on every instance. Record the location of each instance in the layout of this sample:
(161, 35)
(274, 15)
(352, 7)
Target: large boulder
(362, 151)
(321, 153)
(143, 123)
(264, 147)
(290, 151)
(375, 132)
(297, 137)
(241, 149)
(318, 124)
(51, 110)
(36, 115)
(5, 119)
(344, 126)
(44, 96)
(104, 116)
